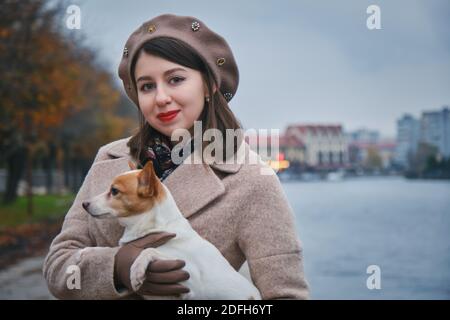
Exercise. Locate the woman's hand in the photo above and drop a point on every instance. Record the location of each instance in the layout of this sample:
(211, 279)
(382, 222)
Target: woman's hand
(163, 276)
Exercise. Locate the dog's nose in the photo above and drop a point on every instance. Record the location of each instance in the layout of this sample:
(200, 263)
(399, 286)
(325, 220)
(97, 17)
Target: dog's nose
(85, 205)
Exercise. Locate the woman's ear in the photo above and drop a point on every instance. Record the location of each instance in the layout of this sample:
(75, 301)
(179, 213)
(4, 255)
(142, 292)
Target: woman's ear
(205, 89)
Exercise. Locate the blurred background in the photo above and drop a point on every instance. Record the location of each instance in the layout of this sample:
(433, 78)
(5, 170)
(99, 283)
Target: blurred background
(359, 91)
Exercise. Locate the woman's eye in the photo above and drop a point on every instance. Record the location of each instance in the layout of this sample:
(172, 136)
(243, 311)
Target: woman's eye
(177, 79)
(114, 191)
(147, 87)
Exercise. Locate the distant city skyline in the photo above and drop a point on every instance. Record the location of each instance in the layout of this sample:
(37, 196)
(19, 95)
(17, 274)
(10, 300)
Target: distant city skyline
(308, 61)
(380, 135)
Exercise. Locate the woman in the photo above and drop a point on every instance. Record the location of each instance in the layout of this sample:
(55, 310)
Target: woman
(176, 70)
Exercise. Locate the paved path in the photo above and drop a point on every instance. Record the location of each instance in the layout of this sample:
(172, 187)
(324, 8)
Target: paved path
(24, 281)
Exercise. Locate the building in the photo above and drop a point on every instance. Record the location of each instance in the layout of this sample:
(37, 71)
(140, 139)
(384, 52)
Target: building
(435, 130)
(386, 150)
(360, 144)
(380, 155)
(364, 136)
(293, 150)
(367, 150)
(324, 146)
(408, 137)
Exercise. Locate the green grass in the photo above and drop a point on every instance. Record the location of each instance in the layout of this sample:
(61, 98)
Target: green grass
(44, 207)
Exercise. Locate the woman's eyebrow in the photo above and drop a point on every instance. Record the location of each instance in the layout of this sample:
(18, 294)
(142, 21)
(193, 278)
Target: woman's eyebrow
(165, 73)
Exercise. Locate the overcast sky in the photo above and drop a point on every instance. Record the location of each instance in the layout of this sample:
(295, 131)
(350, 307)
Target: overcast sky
(308, 61)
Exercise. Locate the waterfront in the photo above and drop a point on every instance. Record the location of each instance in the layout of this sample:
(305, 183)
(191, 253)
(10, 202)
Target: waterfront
(400, 225)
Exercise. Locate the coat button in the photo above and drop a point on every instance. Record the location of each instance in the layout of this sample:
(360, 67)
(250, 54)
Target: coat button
(195, 26)
(151, 28)
(220, 61)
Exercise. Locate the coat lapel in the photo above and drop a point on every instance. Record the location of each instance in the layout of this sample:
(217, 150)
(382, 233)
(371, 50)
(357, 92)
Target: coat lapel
(193, 186)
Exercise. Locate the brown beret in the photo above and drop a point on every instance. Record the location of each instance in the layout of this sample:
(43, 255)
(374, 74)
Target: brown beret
(210, 46)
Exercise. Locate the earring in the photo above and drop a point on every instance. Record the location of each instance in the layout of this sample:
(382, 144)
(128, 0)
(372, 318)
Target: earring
(207, 99)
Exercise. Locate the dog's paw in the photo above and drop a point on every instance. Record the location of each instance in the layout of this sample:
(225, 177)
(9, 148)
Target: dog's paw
(139, 267)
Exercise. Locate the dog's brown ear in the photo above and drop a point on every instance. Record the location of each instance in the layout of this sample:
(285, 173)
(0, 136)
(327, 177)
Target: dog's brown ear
(131, 165)
(147, 181)
(149, 168)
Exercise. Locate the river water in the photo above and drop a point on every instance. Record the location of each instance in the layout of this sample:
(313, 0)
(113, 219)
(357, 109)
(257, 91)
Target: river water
(401, 226)
(398, 225)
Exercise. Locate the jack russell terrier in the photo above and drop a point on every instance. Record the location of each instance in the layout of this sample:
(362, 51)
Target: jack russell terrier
(144, 205)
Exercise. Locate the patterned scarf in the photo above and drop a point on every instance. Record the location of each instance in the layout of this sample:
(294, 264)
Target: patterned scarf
(160, 154)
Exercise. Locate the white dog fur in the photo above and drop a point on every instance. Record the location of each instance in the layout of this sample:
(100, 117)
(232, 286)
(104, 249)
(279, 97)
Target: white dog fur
(211, 275)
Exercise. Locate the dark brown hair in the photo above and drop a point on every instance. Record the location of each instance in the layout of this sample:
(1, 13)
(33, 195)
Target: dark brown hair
(215, 115)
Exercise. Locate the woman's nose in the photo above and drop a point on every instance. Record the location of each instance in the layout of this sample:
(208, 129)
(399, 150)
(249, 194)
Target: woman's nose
(162, 97)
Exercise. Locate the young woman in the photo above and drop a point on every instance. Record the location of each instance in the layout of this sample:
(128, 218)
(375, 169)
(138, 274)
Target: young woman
(178, 71)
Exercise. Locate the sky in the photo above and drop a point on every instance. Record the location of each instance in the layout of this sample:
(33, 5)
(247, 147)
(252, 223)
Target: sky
(309, 62)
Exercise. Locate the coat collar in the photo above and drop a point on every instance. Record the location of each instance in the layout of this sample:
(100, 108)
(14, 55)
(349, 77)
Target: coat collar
(193, 186)
(119, 149)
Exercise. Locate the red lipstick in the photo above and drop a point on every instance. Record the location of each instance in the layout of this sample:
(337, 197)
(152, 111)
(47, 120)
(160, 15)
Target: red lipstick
(167, 116)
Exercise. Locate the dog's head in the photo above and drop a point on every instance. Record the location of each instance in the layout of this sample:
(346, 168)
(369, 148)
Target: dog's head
(131, 193)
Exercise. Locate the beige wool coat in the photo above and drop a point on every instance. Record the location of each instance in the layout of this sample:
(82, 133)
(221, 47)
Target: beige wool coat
(243, 213)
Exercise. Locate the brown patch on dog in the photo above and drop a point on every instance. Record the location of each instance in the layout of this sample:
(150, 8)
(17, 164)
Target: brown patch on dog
(138, 192)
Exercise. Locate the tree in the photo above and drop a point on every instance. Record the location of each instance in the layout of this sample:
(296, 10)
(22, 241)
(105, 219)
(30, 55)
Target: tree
(418, 161)
(373, 160)
(48, 81)
(39, 78)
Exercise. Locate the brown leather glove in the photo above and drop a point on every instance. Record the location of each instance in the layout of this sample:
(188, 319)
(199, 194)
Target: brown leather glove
(163, 276)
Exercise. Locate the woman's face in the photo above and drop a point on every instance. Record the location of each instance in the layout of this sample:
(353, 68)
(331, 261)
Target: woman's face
(171, 96)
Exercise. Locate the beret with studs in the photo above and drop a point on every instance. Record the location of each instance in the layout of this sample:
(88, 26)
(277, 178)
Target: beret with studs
(210, 46)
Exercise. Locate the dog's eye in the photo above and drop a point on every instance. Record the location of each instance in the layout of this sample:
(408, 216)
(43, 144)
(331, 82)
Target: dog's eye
(114, 191)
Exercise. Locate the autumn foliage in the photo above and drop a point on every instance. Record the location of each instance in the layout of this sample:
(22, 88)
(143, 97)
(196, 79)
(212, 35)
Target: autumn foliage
(58, 105)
